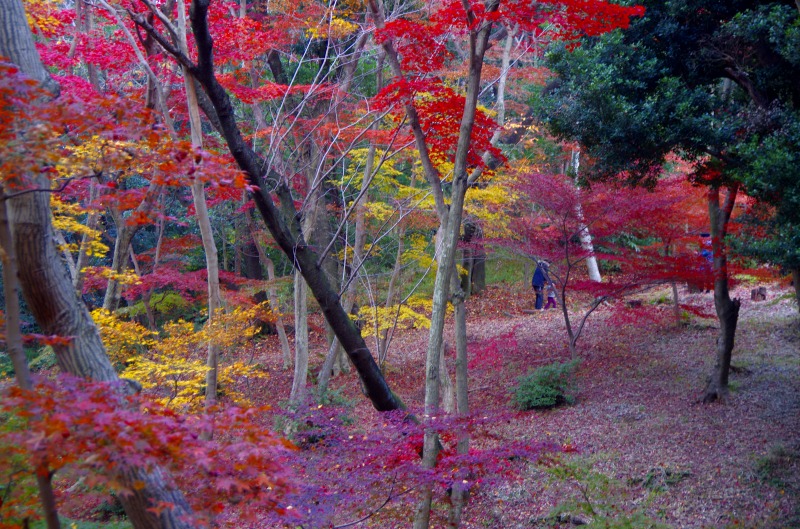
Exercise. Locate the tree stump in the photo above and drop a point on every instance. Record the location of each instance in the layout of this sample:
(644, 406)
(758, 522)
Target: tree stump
(759, 294)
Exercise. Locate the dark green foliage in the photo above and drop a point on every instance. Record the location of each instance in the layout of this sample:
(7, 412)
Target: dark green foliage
(110, 509)
(702, 78)
(546, 387)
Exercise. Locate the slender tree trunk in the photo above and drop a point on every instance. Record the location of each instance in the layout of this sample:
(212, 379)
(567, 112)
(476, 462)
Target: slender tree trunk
(458, 496)
(727, 309)
(13, 338)
(796, 281)
(83, 252)
(214, 298)
(119, 261)
(273, 297)
(584, 235)
(124, 238)
(203, 219)
(446, 388)
(273, 301)
(572, 339)
(446, 261)
(148, 310)
(298, 393)
(313, 211)
(147, 295)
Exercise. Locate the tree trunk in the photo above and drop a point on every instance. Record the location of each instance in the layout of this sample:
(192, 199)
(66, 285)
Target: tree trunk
(676, 306)
(727, 309)
(58, 311)
(55, 306)
(446, 384)
(125, 235)
(203, 219)
(584, 235)
(83, 254)
(458, 496)
(298, 393)
(214, 298)
(147, 296)
(450, 227)
(275, 306)
(272, 296)
(796, 281)
(119, 260)
(312, 213)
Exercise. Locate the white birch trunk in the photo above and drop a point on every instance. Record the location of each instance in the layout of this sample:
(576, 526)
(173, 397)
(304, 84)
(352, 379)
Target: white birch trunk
(583, 234)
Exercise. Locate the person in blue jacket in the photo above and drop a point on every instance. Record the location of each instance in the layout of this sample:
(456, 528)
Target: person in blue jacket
(538, 282)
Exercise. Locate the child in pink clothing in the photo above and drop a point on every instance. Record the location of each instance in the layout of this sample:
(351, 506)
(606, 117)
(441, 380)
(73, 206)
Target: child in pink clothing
(551, 296)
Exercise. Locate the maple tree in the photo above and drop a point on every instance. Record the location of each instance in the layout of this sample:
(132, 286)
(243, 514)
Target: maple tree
(32, 112)
(102, 430)
(647, 236)
(645, 101)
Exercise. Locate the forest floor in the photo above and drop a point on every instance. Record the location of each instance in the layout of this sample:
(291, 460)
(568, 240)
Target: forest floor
(645, 449)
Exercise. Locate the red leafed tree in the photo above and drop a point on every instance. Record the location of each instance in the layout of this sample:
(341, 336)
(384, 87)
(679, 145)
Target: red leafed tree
(35, 120)
(643, 233)
(468, 28)
(91, 429)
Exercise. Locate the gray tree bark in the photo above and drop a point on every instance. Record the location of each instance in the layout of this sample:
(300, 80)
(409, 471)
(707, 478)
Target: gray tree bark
(203, 219)
(300, 378)
(478, 42)
(273, 297)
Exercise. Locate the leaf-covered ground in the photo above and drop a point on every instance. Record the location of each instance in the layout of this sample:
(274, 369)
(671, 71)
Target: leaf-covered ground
(645, 447)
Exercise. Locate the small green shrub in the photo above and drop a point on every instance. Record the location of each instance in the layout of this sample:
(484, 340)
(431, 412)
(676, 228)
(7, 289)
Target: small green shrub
(776, 467)
(45, 359)
(38, 359)
(546, 387)
(593, 499)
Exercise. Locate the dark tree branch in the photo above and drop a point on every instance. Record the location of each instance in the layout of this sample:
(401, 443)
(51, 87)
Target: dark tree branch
(282, 222)
(141, 21)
